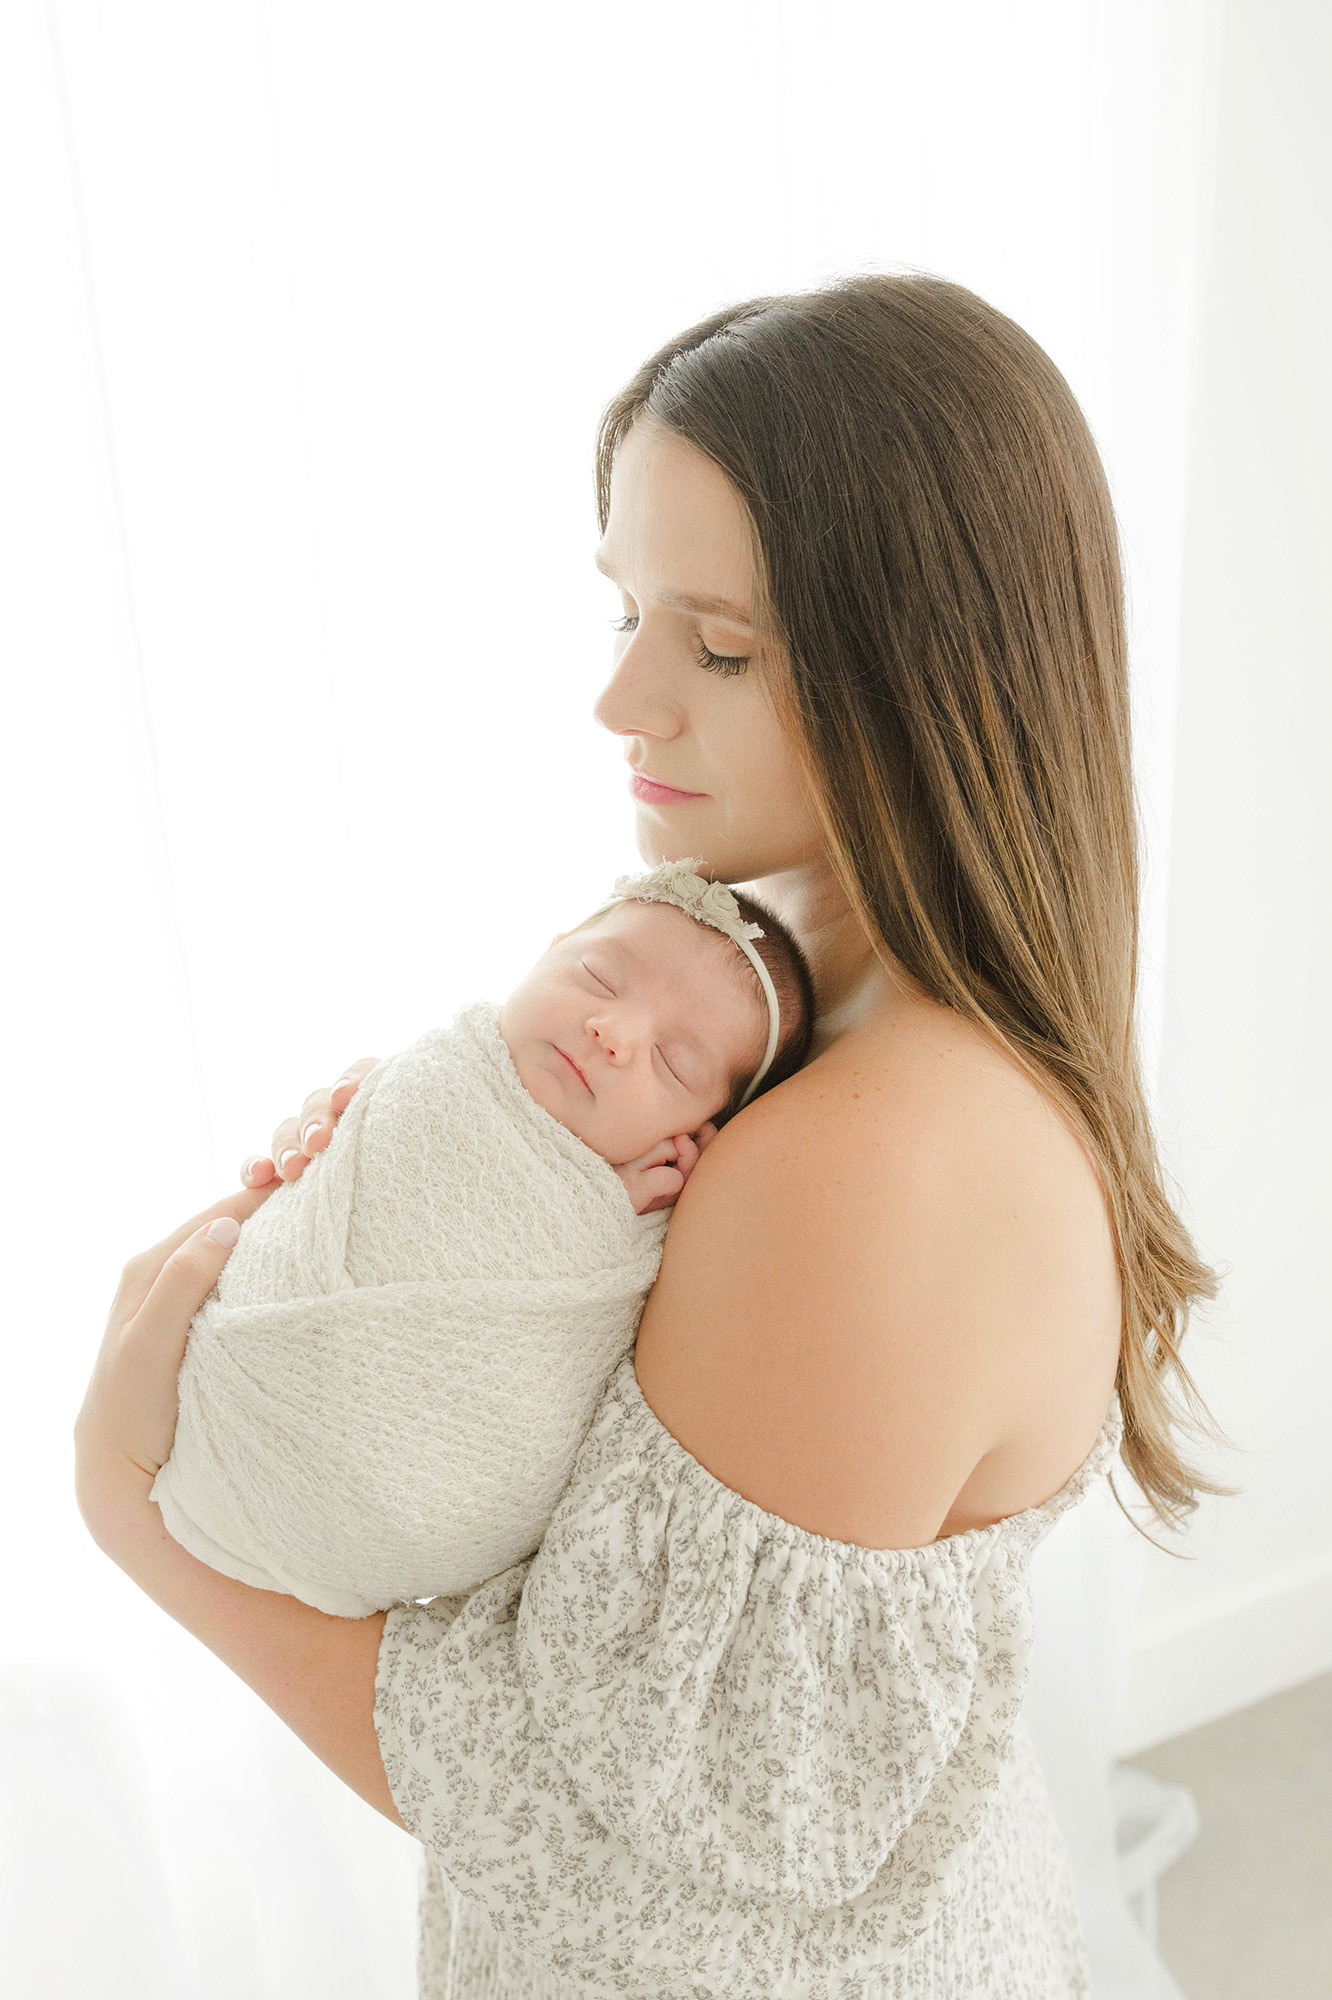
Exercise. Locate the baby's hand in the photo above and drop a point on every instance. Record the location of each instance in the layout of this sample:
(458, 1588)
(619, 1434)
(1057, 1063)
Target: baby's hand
(655, 1181)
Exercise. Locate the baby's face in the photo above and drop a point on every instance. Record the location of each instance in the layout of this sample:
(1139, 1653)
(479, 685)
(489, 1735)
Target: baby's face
(635, 1028)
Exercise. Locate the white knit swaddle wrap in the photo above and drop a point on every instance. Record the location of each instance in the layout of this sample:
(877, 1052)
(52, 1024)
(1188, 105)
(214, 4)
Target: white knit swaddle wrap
(382, 1398)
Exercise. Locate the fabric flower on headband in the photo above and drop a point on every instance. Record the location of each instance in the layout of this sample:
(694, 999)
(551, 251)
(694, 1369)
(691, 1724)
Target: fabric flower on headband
(680, 883)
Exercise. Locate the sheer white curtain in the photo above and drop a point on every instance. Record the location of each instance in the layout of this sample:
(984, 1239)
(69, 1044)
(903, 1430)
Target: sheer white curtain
(310, 310)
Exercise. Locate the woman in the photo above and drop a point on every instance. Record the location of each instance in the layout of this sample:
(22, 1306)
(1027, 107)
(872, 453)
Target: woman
(748, 1722)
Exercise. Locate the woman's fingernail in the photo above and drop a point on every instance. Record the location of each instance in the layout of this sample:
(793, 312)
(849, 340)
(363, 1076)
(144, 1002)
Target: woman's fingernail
(315, 1125)
(250, 1166)
(290, 1154)
(341, 1080)
(225, 1231)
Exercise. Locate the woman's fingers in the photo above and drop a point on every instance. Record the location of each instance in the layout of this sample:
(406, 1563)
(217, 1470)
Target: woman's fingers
(128, 1417)
(187, 1276)
(314, 1127)
(285, 1146)
(350, 1082)
(297, 1140)
(141, 1272)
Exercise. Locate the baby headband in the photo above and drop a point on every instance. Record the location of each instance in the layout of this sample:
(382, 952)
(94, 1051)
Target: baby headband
(712, 903)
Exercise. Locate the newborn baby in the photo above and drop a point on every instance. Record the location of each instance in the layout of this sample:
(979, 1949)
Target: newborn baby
(382, 1397)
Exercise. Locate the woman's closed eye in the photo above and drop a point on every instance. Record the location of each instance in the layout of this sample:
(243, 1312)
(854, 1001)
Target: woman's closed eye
(715, 663)
(721, 663)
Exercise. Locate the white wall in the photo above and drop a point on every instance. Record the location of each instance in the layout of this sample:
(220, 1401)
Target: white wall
(1247, 1109)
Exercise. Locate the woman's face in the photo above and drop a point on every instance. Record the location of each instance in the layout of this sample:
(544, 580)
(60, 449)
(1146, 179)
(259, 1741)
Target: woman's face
(688, 692)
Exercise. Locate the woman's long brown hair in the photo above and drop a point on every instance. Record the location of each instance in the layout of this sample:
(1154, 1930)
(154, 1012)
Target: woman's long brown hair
(937, 554)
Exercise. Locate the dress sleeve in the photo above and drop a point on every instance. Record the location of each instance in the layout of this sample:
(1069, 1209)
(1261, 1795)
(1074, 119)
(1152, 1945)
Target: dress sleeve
(689, 1748)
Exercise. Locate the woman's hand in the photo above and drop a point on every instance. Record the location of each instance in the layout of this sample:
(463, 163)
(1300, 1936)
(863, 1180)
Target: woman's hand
(297, 1140)
(124, 1431)
(315, 1671)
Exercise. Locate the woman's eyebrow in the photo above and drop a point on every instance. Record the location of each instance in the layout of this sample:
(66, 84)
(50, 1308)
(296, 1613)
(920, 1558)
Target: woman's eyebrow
(706, 607)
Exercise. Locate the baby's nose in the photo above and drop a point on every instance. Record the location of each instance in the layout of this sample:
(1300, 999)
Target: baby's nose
(615, 1038)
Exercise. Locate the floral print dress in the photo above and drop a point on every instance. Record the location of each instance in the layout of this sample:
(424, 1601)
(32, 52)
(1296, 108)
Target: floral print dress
(689, 1751)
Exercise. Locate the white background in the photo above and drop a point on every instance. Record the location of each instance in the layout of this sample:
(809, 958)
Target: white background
(309, 312)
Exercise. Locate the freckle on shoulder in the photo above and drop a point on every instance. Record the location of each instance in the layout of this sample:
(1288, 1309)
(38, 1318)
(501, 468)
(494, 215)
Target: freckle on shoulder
(928, 1085)
(922, 1045)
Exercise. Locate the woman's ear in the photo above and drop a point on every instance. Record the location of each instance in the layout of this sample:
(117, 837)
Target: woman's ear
(555, 940)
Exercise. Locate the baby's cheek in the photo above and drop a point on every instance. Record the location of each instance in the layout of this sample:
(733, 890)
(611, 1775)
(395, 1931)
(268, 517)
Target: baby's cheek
(545, 1090)
(605, 1129)
(640, 1128)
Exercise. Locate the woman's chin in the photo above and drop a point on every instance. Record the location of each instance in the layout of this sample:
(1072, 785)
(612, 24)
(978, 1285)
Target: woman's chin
(659, 841)
(659, 837)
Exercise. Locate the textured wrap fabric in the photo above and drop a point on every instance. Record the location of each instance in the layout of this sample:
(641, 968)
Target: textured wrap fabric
(383, 1396)
(689, 1751)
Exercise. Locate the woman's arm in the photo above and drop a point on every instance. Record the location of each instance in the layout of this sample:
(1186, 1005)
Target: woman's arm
(316, 1672)
(860, 1286)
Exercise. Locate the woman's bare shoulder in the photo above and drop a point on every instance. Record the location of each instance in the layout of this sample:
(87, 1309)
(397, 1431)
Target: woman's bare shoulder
(888, 1305)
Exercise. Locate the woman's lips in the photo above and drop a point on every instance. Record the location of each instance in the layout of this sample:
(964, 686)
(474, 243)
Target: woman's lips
(653, 793)
(573, 1066)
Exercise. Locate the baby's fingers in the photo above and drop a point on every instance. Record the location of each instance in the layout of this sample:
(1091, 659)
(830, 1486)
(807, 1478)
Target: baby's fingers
(661, 1185)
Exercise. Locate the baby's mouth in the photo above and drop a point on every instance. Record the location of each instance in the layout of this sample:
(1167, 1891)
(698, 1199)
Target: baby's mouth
(573, 1066)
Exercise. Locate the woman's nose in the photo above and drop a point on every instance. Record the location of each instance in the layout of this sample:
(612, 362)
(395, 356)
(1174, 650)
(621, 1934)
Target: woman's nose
(635, 700)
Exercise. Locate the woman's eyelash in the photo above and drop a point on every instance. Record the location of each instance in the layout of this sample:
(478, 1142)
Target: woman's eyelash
(715, 663)
(721, 663)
